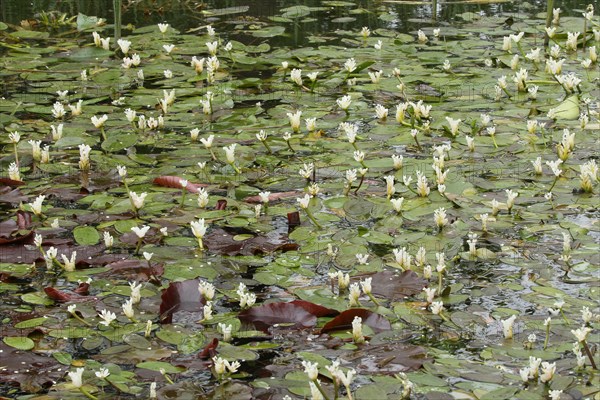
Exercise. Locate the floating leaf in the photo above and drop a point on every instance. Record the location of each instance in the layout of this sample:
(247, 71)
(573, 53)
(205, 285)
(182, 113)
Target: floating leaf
(265, 316)
(20, 343)
(86, 235)
(175, 182)
(180, 296)
(343, 321)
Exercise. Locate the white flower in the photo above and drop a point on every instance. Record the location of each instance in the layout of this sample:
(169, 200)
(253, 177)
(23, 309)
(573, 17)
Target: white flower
(375, 76)
(354, 294)
(107, 317)
(313, 76)
(168, 73)
(198, 228)
(551, 31)
(532, 90)
(357, 334)
(304, 201)
(346, 380)
(581, 333)
(124, 45)
(365, 32)
(524, 373)
(207, 311)
(77, 377)
(593, 53)
(311, 124)
(446, 66)
(36, 206)
(402, 257)
(230, 153)
(378, 45)
(163, 27)
(507, 326)
(128, 309)
(210, 30)
(307, 170)
(102, 373)
(422, 185)
(140, 232)
(138, 200)
(362, 258)
(517, 38)
(247, 300)
(108, 239)
(207, 142)
(571, 43)
(294, 119)
(366, 285)
(99, 121)
(421, 37)
(206, 289)
(555, 394)
(264, 196)
(226, 331)
(212, 47)
(470, 142)
(397, 160)
(202, 198)
(105, 43)
(429, 294)
(296, 76)
(350, 65)
(147, 256)
(472, 242)
(228, 46)
(548, 370)
(506, 43)
(436, 32)
(554, 166)
(311, 369)
(381, 112)
(453, 125)
(136, 289)
(437, 307)
(511, 196)
(58, 110)
(84, 157)
(69, 264)
(197, 64)
(344, 102)
(514, 62)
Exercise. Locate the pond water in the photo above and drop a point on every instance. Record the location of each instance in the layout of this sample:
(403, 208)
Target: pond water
(280, 192)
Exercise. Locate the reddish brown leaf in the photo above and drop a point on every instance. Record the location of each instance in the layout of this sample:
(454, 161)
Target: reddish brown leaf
(12, 196)
(293, 219)
(11, 182)
(180, 296)
(220, 241)
(30, 371)
(315, 309)
(83, 289)
(394, 286)
(57, 295)
(175, 182)
(23, 220)
(209, 351)
(136, 270)
(272, 197)
(267, 315)
(344, 321)
(221, 204)
(392, 358)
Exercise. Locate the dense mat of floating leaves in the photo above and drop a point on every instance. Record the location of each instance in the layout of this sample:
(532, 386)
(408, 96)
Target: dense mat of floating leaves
(281, 293)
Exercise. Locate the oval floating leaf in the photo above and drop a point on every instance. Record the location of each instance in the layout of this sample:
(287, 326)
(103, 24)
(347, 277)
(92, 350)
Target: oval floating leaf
(18, 342)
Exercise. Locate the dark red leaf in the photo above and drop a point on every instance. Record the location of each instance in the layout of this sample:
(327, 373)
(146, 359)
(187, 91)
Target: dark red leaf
(293, 219)
(175, 182)
(57, 295)
(83, 289)
(315, 309)
(11, 182)
(267, 315)
(180, 296)
(209, 351)
(23, 220)
(344, 321)
(221, 204)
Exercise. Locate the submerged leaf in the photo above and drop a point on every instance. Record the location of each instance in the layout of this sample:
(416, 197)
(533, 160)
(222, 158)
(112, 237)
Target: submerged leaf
(344, 321)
